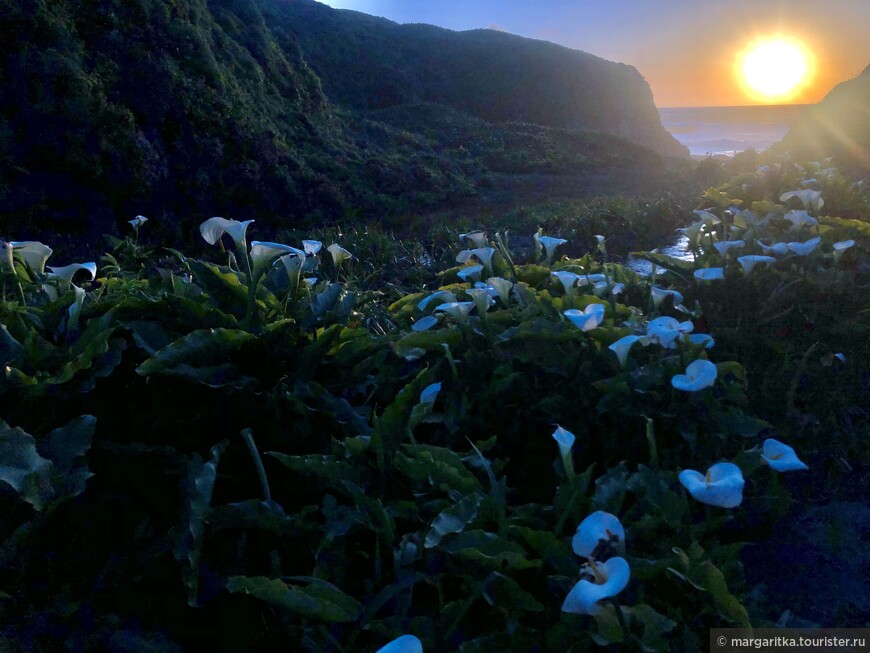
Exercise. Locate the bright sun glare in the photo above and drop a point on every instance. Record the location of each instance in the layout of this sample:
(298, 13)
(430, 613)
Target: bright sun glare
(774, 69)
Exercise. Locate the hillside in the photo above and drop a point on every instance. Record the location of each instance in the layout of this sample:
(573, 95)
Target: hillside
(372, 63)
(210, 107)
(839, 126)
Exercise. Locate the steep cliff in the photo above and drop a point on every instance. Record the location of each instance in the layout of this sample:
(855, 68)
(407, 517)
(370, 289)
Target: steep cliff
(839, 127)
(373, 63)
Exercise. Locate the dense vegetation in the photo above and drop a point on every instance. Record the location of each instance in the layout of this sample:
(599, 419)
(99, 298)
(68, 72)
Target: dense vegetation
(253, 446)
(112, 108)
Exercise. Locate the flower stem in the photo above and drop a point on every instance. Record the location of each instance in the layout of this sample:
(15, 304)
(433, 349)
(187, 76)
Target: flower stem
(258, 463)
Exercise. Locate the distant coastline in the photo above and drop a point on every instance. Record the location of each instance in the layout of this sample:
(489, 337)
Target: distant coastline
(725, 131)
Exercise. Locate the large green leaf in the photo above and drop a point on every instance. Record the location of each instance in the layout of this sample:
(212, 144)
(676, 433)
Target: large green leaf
(489, 550)
(318, 600)
(23, 468)
(453, 519)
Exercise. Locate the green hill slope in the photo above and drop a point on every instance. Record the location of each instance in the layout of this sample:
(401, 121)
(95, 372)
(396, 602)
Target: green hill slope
(373, 63)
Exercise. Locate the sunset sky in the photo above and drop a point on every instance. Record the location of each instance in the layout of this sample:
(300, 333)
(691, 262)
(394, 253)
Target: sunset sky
(686, 49)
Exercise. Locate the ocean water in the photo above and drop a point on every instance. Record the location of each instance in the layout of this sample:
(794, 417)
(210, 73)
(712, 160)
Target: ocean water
(728, 130)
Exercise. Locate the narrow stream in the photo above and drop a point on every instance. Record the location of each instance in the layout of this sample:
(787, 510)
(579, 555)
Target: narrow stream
(679, 249)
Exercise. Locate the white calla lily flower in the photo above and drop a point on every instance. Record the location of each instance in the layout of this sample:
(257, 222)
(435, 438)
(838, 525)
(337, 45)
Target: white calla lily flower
(474, 238)
(598, 527)
(590, 279)
(841, 247)
(565, 439)
(75, 308)
(805, 248)
(780, 456)
(622, 346)
(502, 287)
(567, 279)
(549, 244)
(699, 374)
(749, 261)
(65, 276)
(722, 486)
(482, 254)
(659, 295)
(6, 261)
(778, 249)
(403, 644)
(263, 253)
(811, 199)
(702, 339)
(470, 274)
(339, 254)
(442, 296)
(481, 298)
(213, 228)
(710, 274)
(609, 579)
(138, 221)
(587, 319)
(459, 311)
(33, 253)
(707, 219)
(424, 323)
(665, 330)
(430, 393)
(800, 219)
(725, 246)
(312, 247)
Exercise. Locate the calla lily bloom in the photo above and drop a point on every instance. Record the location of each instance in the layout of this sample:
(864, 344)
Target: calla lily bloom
(659, 295)
(699, 374)
(65, 276)
(800, 219)
(608, 579)
(806, 248)
(481, 298)
(502, 287)
(722, 486)
(33, 253)
(138, 221)
(565, 439)
(707, 219)
(664, 331)
(6, 262)
(811, 199)
(76, 307)
(403, 644)
(213, 228)
(293, 263)
(424, 323)
(311, 247)
(724, 246)
(470, 273)
(841, 247)
(567, 279)
(443, 296)
(457, 310)
(482, 254)
(590, 279)
(339, 254)
(598, 527)
(749, 261)
(710, 274)
(430, 393)
(702, 339)
(779, 249)
(263, 253)
(622, 346)
(549, 244)
(587, 319)
(475, 238)
(781, 457)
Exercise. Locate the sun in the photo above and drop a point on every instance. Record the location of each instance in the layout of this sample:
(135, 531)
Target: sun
(774, 69)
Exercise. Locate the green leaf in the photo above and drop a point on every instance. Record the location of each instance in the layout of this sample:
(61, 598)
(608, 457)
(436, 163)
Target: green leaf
(609, 630)
(189, 535)
(325, 467)
(489, 550)
(201, 356)
(65, 448)
(532, 273)
(653, 626)
(708, 577)
(454, 519)
(319, 600)
(23, 468)
(227, 289)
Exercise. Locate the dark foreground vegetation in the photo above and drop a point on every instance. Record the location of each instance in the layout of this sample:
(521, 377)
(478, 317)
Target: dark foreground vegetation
(262, 446)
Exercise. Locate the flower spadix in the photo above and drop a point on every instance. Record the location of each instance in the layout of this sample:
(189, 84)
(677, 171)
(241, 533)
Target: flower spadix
(699, 374)
(607, 580)
(598, 533)
(213, 228)
(403, 644)
(587, 319)
(780, 456)
(721, 486)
